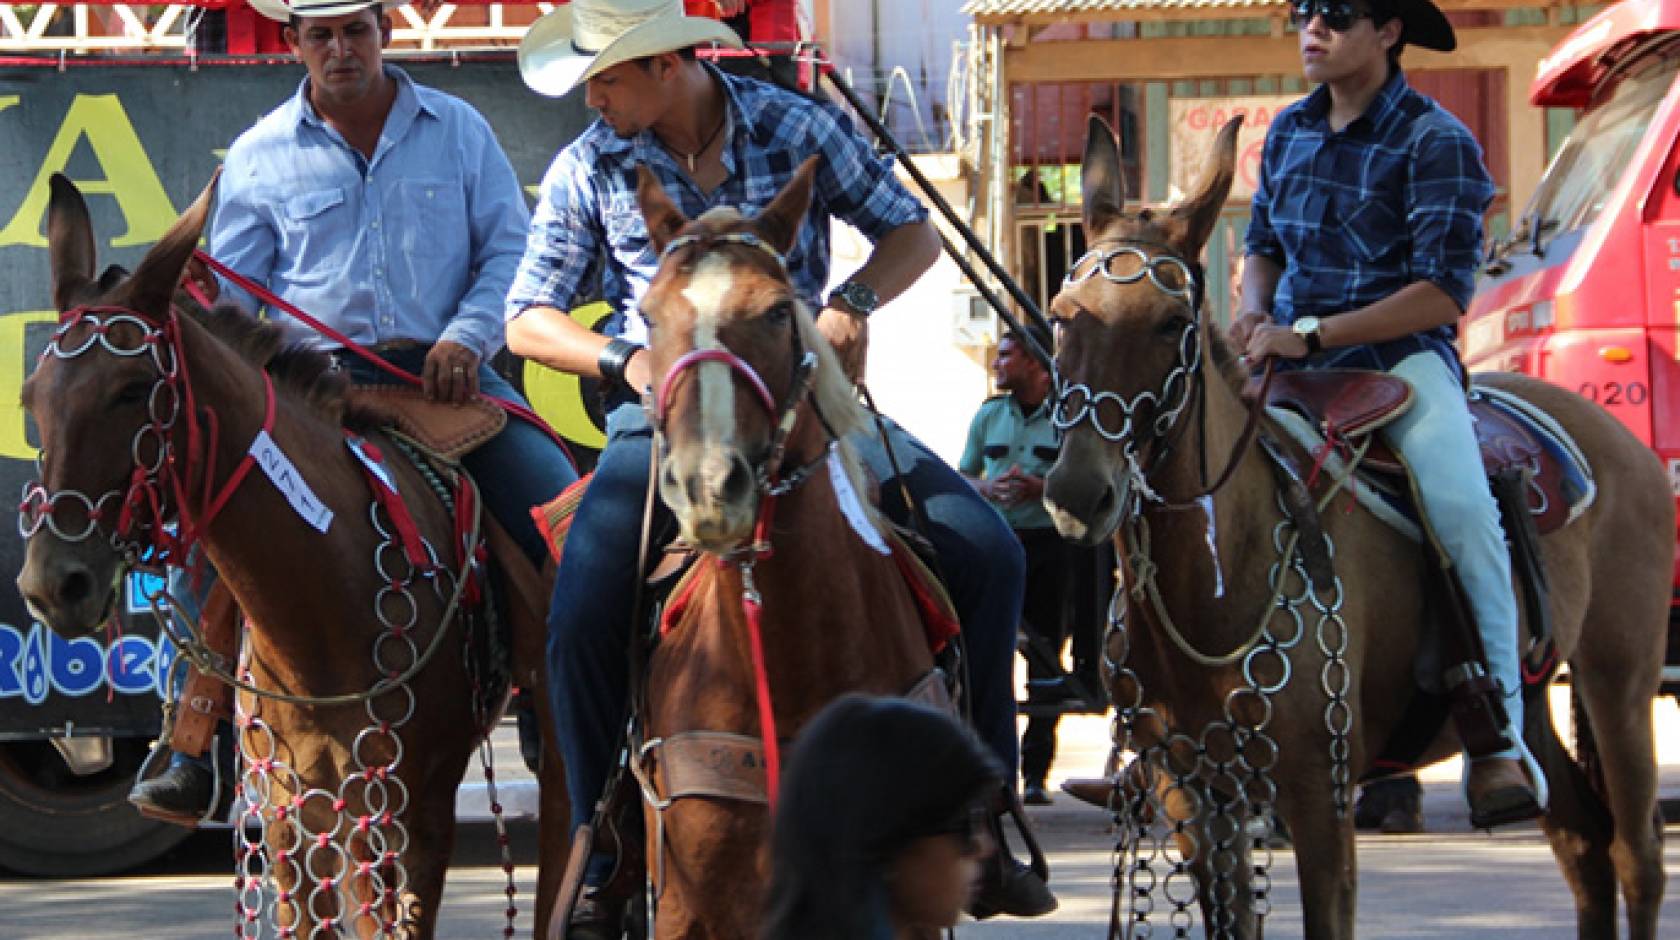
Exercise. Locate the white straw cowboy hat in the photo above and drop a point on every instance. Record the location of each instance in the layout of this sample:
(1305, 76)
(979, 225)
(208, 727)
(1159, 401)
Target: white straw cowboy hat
(580, 40)
(282, 11)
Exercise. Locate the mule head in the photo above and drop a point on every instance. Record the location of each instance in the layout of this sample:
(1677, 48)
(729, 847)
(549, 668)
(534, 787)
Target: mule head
(728, 338)
(1129, 337)
(94, 393)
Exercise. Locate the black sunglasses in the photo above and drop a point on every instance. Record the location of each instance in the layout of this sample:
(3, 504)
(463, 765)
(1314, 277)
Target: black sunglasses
(1339, 15)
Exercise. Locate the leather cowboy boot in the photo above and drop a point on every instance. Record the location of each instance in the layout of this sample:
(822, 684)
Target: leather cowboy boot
(1007, 884)
(1500, 792)
(182, 795)
(187, 791)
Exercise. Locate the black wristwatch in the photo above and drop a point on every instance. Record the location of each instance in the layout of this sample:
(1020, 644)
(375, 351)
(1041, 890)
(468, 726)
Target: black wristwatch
(855, 297)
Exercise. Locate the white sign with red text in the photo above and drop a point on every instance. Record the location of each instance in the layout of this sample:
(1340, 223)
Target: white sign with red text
(1195, 122)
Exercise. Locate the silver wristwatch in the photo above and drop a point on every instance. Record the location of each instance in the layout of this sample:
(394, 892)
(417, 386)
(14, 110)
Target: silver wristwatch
(857, 297)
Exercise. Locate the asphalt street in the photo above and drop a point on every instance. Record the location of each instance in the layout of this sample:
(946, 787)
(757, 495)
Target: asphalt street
(1450, 882)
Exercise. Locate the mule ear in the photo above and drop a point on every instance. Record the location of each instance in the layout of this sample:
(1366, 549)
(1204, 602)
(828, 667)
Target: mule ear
(70, 246)
(1192, 221)
(1102, 187)
(157, 278)
(779, 222)
(664, 219)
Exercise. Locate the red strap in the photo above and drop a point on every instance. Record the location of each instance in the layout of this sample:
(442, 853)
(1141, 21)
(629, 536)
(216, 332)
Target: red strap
(766, 709)
(266, 296)
(367, 456)
(937, 624)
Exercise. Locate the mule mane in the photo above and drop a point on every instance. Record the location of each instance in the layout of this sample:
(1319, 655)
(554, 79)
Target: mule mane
(307, 373)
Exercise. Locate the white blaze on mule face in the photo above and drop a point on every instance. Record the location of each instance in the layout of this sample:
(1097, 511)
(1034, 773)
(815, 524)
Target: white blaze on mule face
(706, 291)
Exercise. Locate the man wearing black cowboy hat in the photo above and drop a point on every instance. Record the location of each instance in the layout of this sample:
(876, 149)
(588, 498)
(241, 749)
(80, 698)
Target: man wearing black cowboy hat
(1362, 253)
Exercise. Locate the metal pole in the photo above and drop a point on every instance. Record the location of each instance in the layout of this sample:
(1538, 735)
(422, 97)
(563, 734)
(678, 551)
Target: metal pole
(1015, 292)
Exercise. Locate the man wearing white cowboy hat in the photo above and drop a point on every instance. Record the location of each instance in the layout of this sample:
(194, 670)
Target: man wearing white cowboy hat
(388, 211)
(1399, 185)
(715, 140)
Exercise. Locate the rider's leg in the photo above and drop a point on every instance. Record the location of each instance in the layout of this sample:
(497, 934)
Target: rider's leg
(1438, 441)
(187, 788)
(589, 621)
(983, 568)
(519, 468)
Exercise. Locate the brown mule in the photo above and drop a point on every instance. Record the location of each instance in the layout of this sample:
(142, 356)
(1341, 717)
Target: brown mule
(124, 357)
(1164, 391)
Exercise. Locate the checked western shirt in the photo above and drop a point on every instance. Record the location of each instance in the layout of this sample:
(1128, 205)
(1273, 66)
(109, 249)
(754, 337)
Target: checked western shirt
(587, 220)
(1355, 215)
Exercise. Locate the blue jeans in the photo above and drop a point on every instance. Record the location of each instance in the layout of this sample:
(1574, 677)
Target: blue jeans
(589, 621)
(519, 468)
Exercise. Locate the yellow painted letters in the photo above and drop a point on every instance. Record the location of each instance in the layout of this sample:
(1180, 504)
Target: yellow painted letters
(129, 176)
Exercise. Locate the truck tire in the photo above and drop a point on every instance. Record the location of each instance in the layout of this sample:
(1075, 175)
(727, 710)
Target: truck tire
(56, 824)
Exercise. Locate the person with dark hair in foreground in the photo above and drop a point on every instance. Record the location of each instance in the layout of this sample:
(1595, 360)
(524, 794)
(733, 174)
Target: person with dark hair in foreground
(883, 823)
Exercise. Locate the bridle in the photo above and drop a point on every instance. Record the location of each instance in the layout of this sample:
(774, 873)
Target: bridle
(136, 516)
(1118, 419)
(767, 472)
(770, 480)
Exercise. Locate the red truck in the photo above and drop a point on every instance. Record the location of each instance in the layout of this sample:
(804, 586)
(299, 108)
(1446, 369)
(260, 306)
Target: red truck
(1585, 290)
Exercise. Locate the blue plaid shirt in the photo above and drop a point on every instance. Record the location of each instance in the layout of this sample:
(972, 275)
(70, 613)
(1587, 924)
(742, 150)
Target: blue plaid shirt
(1353, 216)
(587, 220)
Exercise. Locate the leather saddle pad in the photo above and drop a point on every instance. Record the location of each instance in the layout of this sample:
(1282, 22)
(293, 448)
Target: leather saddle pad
(1350, 403)
(1341, 402)
(452, 430)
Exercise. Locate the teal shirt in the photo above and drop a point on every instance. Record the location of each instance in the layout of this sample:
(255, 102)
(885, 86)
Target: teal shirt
(1003, 436)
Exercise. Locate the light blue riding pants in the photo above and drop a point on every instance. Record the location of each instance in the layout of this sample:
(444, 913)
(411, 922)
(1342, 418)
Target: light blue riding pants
(1438, 441)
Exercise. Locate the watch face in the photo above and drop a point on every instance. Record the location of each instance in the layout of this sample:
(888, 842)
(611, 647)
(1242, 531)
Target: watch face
(1306, 325)
(861, 296)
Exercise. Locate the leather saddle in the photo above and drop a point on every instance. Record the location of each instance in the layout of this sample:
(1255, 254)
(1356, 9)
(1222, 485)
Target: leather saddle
(1346, 405)
(451, 430)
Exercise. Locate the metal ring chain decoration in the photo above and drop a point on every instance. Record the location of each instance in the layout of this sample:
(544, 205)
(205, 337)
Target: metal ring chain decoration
(348, 842)
(1225, 773)
(1112, 416)
(74, 516)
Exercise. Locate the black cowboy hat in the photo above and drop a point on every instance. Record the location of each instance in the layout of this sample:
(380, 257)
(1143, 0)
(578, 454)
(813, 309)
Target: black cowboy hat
(1423, 24)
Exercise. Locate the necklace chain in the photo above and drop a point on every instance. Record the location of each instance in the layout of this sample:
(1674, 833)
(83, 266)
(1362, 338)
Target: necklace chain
(706, 144)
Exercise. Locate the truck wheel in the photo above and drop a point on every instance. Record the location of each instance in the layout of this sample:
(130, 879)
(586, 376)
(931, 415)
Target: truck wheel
(56, 824)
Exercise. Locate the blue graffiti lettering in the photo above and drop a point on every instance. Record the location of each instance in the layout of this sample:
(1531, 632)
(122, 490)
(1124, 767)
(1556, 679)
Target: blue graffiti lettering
(11, 652)
(34, 667)
(40, 663)
(77, 666)
(128, 665)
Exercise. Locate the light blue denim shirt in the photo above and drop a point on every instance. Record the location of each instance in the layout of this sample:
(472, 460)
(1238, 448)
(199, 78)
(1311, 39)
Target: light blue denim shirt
(419, 243)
